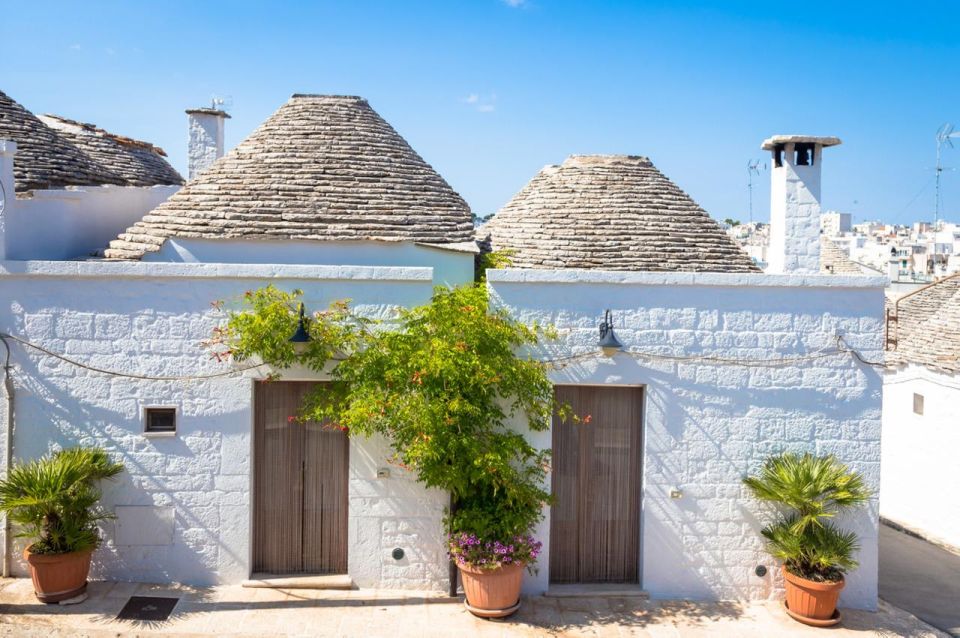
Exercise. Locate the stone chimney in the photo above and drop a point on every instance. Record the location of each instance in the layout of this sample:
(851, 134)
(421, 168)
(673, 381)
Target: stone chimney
(206, 139)
(795, 202)
(7, 195)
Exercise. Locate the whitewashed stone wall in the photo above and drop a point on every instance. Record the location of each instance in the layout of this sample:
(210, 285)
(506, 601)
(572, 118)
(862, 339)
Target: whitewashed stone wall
(708, 425)
(450, 267)
(150, 319)
(73, 222)
(920, 453)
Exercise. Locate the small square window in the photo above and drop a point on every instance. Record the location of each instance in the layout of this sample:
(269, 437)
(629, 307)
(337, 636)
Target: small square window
(160, 420)
(917, 403)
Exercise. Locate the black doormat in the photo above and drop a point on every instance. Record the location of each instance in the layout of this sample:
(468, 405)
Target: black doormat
(148, 608)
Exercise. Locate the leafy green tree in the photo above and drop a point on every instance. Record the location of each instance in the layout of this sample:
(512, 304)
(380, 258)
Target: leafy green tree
(809, 491)
(54, 499)
(443, 382)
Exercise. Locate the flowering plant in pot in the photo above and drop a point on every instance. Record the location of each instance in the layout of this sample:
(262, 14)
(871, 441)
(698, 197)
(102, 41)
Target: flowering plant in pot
(54, 500)
(492, 571)
(809, 491)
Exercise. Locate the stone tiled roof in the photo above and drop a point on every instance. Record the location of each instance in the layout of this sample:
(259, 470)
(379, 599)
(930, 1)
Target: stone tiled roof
(45, 158)
(137, 163)
(927, 328)
(320, 168)
(610, 212)
(833, 261)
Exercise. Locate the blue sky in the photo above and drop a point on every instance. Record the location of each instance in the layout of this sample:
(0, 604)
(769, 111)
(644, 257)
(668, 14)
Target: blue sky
(489, 91)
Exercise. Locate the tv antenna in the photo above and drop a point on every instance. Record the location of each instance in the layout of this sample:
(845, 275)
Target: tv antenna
(753, 168)
(221, 103)
(944, 135)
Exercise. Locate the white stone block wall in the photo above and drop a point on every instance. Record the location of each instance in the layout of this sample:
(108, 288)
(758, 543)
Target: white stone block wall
(708, 425)
(150, 319)
(920, 478)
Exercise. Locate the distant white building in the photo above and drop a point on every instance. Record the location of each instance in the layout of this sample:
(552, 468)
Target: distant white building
(833, 223)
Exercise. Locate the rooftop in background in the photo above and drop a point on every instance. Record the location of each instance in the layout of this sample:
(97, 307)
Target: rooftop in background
(611, 212)
(928, 327)
(138, 163)
(322, 167)
(71, 153)
(776, 140)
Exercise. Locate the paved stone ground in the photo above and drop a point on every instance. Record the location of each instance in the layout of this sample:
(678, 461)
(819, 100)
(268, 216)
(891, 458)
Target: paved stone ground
(921, 578)
(235, 612)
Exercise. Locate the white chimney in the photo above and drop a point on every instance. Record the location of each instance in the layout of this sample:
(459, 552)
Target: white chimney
(795, 202)
(7, 195)
(206, 139)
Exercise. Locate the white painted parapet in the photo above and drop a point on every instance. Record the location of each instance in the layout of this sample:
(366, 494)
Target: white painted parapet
(795, 201)
(206, 139)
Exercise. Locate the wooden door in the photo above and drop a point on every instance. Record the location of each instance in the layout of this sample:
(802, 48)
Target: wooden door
(595, 518)
(300, 487)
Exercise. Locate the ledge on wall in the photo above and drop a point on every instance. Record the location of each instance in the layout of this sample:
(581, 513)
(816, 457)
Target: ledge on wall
(573, 276)
(156, 270)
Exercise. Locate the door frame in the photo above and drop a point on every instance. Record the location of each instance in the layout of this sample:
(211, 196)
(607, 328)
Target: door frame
(643, 387)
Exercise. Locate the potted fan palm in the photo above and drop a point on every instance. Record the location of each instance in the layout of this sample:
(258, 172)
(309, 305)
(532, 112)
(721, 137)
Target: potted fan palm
(809, 491)
(54, 500)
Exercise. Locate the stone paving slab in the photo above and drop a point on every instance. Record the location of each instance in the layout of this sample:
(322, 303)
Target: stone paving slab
(241, 612)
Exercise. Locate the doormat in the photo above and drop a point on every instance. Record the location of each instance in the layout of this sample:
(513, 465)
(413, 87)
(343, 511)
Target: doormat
(148, 608)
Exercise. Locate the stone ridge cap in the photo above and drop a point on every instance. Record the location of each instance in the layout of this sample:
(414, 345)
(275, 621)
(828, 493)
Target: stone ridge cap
(326, 96)
(726, 279)
(127, 269)
(605, 158)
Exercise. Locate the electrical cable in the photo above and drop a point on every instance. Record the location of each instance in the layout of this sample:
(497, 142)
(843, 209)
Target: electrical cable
(557, 363)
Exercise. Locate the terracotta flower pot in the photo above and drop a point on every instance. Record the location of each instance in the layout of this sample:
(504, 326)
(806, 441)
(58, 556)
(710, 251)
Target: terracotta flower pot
(58, 577)
(492, 593)
(811, 600)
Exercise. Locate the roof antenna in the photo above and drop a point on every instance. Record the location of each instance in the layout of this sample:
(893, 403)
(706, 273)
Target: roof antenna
(753, 168)
(221, 103)
(944, 133)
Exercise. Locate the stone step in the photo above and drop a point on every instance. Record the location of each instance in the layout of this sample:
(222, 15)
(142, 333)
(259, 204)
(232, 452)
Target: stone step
(597, 590)
(300, 581)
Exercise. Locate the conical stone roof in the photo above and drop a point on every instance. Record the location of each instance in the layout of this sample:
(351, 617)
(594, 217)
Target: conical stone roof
(137, 163)
(46, 159)
(611, 212)
(323, 168)
(927, 327)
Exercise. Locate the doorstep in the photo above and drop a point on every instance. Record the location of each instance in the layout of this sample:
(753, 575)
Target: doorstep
(587, 590)
(299, 581)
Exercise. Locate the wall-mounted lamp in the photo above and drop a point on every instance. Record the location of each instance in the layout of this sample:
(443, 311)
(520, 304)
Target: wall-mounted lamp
(301, 335)
(608, 340)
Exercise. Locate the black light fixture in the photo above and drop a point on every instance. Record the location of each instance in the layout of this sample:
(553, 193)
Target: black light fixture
(608, 340)
(301, 335)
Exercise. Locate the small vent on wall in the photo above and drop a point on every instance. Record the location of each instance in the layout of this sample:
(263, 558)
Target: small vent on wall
(160, 420)
(918, 404)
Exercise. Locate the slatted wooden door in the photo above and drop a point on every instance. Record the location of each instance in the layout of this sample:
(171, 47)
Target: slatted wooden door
(300, 487)
(595, 518)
